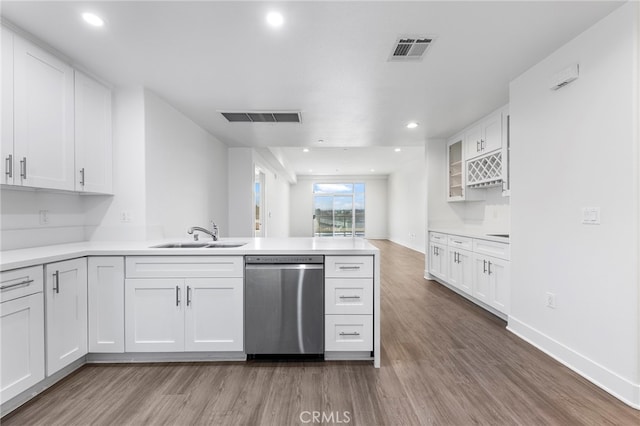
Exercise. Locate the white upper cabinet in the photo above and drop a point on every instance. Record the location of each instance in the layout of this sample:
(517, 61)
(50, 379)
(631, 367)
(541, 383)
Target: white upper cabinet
(43, 118)
(484, 137)
(94, 158)
(7, 167)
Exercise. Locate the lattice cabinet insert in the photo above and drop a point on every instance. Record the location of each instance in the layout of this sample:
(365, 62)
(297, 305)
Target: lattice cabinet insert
(485, 171)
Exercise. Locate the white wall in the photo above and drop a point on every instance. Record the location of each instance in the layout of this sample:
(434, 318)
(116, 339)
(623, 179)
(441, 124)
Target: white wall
(406, 195)
(241, 172)
(573, 148)
(186, 173)
(375, 200)
(103, 214)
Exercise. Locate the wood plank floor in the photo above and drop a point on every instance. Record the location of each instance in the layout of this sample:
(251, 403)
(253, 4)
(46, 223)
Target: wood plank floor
(444, 362)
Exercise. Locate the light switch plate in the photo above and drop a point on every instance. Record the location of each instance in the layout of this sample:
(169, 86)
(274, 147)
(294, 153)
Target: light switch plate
(591, 215)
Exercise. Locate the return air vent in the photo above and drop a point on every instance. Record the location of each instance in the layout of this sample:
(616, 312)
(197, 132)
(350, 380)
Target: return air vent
(410, 48)
(262, 117)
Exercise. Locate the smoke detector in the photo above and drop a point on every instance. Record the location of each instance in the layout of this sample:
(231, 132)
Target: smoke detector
(411, 47)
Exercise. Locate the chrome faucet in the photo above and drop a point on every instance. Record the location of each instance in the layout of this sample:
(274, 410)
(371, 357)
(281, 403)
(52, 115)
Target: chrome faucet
(213, 233)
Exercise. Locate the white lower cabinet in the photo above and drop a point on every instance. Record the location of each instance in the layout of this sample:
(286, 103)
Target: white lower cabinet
(460, 269)
(438, 260)
(21, 331)
(65, 291)
(193, 312)
(106, 304)
(492, 282)
(346, 333)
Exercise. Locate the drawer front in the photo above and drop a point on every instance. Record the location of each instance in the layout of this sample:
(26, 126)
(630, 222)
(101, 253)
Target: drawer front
(348, 296)
(21, 282)
(348, 266)
(464, 243)
(348, 333)
(436, 237)
(184, 266)
(492, 248)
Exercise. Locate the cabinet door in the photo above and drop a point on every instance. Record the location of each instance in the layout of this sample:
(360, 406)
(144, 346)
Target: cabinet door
(43, 118)
(438, 261)
(499, 273)
(214, 314)
(7, 168)
(481, 284)
(460, 269)
(66, 301)
(21, 345)
(492, 133)
(93, 146)
(472, 141)
(154, 315)
(106, 304)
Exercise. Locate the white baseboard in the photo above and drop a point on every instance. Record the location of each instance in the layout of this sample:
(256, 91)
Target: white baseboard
(618, 386)
(407, 245)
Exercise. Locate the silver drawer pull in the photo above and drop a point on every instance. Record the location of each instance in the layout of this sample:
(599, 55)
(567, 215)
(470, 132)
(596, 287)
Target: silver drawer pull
(349, 297)
(457, 242)
(355, 333)
(7, 287)
(349, 268)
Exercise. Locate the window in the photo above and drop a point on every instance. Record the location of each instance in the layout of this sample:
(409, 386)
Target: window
(338, 209)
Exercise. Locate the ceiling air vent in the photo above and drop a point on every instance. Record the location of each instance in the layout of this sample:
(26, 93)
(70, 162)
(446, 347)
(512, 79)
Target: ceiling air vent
(262, 117)
(410, 48)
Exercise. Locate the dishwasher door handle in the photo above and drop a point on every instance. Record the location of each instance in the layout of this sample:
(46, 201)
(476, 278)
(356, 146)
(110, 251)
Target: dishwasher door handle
(257, 266)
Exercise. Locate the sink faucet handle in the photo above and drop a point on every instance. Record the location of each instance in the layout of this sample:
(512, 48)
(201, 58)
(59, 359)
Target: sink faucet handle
(214, 230)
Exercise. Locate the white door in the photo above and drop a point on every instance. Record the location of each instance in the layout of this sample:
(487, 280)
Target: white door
(438, 261)
(21, 345)
(492, 133)
(499, 273)
(154, 315)
(66, 311)
(214, 315)
(106, 304)
(93, 145)
(481, 284)
(472, 141)
(43, 118)
(7, 168)
(454, 270)
(465, 270)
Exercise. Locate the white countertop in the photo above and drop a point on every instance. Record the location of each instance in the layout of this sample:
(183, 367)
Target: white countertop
(12, 259)
(472, 233)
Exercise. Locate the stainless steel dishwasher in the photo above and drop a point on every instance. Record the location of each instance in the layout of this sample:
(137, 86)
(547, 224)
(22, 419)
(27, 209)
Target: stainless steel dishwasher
(284, 306)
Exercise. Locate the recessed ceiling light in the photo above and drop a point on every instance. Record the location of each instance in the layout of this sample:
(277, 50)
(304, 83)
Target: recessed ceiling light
(397, 150)
(93, 19)
(412, 125)
(305, 150)
(373, 170)
(275, 19)
(320, 140)
(310, 170)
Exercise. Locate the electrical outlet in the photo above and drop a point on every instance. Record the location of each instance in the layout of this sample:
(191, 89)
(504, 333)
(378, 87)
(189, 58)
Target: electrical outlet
(125, 217)
(551, 300)
(44, 217)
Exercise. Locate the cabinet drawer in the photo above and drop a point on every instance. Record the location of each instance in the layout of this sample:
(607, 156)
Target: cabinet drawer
(348, 296)
(464, 243)
(492, 248)
(348, 333)
(20, 282)
(184, 266)
(436, 237)
(348, 266)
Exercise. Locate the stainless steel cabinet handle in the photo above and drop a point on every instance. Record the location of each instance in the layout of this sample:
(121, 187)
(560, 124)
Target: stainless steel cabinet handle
(21, 283)
(188, 295)
(82, 176)
(9, 166)
(457, 257)
(349, 297)
(56, 281)
(482, 142)
(177, 295)
(342, 333)
(349, 268)
(489, 268)
(484, 262)
(457, 242)
(477, 146)
(23, 168)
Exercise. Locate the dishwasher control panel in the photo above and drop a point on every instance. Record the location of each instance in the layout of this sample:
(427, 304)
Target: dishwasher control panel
(280, 259)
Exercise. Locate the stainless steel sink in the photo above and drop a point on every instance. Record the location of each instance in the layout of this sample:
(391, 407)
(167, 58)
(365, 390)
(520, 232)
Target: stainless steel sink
(498, 235)
(220, 244)
(224, 245)
(180, 245)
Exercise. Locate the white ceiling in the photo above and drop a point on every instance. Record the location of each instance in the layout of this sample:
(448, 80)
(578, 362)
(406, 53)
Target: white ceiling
(328, 61)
